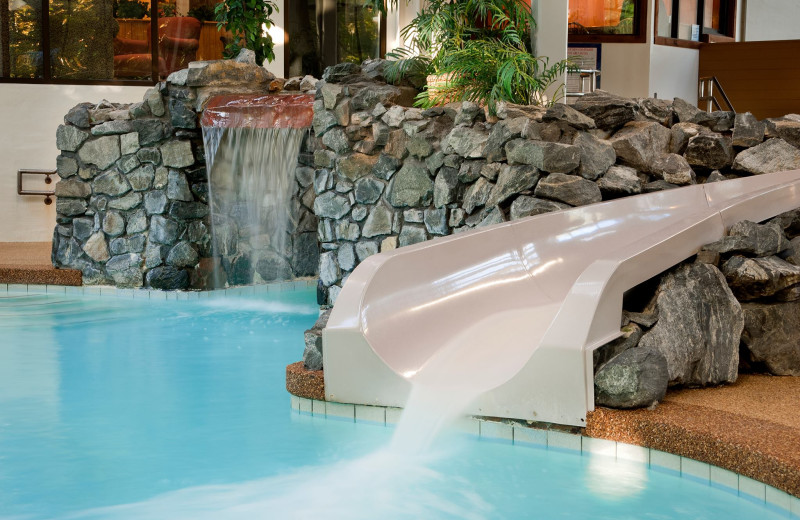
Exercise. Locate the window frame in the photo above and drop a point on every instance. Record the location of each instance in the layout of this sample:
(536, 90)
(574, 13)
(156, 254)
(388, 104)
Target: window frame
(639, 24)
(672, 41)
(47, 78)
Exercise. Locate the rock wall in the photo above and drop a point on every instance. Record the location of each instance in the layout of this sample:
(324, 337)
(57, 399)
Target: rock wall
(388, 175)
(734, 307)
(133, 200)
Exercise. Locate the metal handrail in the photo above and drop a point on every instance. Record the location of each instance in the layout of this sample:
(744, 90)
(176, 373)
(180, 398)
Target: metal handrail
(705, 93)
(47, 180)
(584, 74)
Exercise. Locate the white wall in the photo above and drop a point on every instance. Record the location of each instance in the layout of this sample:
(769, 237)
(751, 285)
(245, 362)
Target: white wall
(674, 72)
(550, 39)
(626, 69)
(770, 20)
(278, 65)
(30, 115)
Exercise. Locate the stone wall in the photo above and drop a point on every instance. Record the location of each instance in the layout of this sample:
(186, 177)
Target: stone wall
(388, 175)
(133, 199)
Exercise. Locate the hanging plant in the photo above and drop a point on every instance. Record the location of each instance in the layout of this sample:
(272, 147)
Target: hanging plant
(249, 21)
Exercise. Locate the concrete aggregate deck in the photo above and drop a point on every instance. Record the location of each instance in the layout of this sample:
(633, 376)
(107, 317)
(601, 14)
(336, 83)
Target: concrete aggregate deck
(29, 263)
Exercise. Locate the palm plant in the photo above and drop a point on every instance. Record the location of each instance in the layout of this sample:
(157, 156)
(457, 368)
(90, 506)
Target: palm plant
(480, 49)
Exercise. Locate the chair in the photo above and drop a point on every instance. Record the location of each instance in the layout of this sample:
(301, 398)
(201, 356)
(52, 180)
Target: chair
(178, 41)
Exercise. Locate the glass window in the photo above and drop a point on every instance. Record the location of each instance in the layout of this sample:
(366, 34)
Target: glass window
(304, 55)
(690, 19)
(20, 39)
(602, 17)
(358, 31)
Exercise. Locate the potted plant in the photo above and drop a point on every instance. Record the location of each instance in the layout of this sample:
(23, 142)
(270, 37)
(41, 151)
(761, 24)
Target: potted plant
(247, 20)
(475, 50)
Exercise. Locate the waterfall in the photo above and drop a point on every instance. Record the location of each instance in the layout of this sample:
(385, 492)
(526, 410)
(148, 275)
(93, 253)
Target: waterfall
(251, 183)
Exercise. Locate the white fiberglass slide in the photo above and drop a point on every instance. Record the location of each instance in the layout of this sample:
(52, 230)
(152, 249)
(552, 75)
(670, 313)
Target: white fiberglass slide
(512, 312)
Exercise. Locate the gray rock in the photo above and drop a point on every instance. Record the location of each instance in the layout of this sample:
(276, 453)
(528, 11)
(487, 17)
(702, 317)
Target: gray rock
(323, 121)
(177, 154)
(122, 263)
(788, 130)
(636, 378)
(674, 169)
(187, 210)
(140, 110)
(570, 189)
(155, 202)
(365, 250)
(467, 113)
(66, 166)
(396, 144)
(346, 255)
(753, 239)
(501, 133)
(715, 176)
(114, 128)
(113, 224)
(546, 156)
(328, 268)
(658, 110)
(512, 180)
(419, 146)
(698, 328)
(141, 179)
(69, 138)
(752, 278)
(163, 231)
(128, 163)
(688, 113)
(436, 221)
(723, 121)
(346, 230)
(78, 116)
(137, 223)
(182, 114)
(712, 151)
(178, 187)
(343, 186)
(476, 195)
(154, 255)
(525, 206)
(150, 131)
(771, 336)
(631, 334)
(331, 205)
(413, 215)
(774, 155)
(305, 256)
(445, 187)
(493, 216)
(596, 156)
(567, 114)
(465, 141)
(435, 161)
(73, 188)
(368, 190)
(129, 143)
(747, 130)
(394, 116)
(457, 217)
(103, 151)
(82, 228)
(412, 234)
(680, 134)
(71, 207)
(324, 159)
(312, 355)
(379, 222)
(336, 140)
(411, 186)
(96, 247)
(155, 102)
(331, 95)
(357, 165)
(659, 185)
(491, 171)
(608, 111)
(182, 255)
(470, 171)
(272, 266)
(619, 181)
(639, 144)
(111, 183)
(167, 278)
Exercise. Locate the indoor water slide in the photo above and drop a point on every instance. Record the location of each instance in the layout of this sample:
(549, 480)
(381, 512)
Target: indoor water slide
(513, 312)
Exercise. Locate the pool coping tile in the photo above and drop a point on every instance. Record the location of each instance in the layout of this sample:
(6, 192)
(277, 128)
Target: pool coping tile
(370, 414)
(699, 471)
(724, 478)
(633, 453)
(345, 411)
(563, 441)
(530, 436)
(305, 406)
(496, 430)
(601, 447)
(318, 408)
(668, 462)
(393, 415)
(752, 489)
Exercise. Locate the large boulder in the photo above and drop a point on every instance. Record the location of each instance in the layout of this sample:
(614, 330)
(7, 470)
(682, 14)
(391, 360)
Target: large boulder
(752, 239)
(636, 378)
(312, 355)
(747, 130)
(771, 336)
(752, 278)
(597, 156)
(619, 181)
(639, 144)
(699, 326)
(570, 189)
(773, 155)
(608, 111)
(712, 151)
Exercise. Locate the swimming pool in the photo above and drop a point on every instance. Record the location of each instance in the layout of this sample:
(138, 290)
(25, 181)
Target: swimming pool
(115, 407)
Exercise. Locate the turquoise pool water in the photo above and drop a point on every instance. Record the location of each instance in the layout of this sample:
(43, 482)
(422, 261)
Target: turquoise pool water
(127, 408)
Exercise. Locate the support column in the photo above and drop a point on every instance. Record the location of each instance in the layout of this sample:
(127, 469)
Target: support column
(550, 36)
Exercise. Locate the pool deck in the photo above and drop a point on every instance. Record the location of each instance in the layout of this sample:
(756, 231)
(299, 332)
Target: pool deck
(29, 263)
(751, 427)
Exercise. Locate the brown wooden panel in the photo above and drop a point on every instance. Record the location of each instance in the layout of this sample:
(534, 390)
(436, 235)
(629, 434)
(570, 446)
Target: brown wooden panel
(210, 45)
(759, 77)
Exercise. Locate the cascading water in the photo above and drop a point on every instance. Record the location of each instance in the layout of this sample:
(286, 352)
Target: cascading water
(252, 144)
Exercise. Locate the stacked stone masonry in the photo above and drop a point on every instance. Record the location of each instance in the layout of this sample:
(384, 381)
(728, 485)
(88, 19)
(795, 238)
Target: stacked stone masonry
(133, 200)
